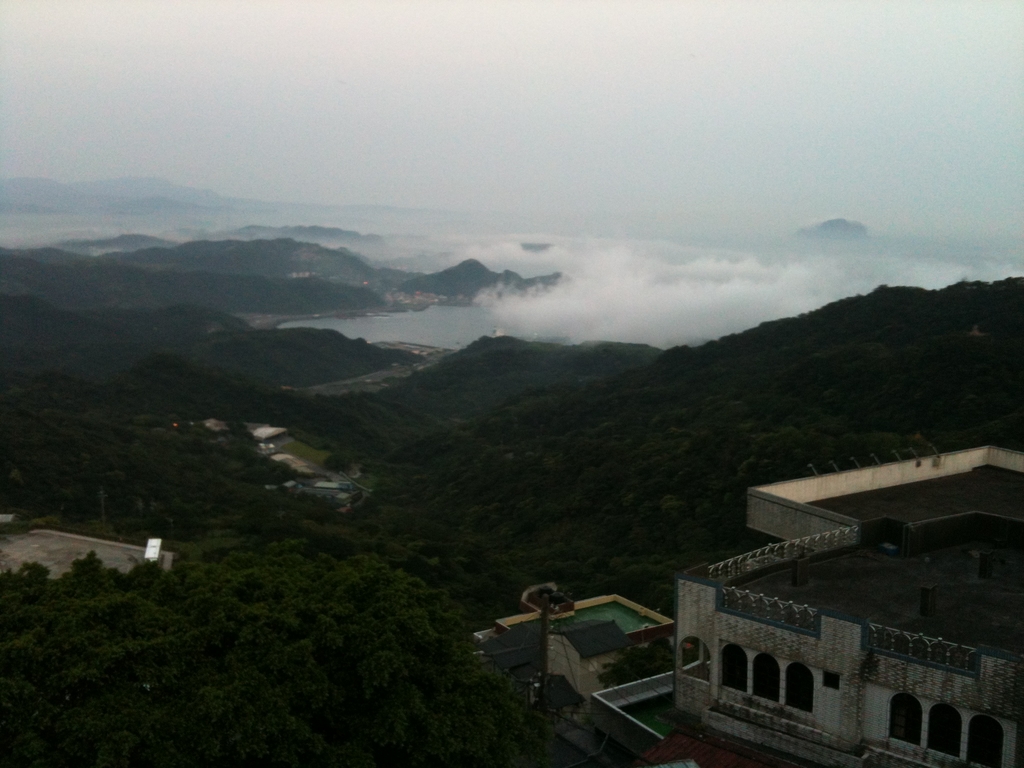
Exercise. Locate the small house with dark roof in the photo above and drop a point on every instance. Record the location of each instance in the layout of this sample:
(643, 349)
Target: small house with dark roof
(577, 652)
(581, 650)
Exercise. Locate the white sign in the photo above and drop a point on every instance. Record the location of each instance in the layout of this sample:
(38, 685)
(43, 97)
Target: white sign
(153, 549)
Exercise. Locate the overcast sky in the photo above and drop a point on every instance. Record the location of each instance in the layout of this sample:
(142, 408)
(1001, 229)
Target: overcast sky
(908, 116)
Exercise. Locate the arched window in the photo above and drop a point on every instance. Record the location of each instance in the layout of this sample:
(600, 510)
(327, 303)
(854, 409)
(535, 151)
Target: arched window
(905, 718)
(693, 658)
(985, 741)
(944, 726)
(766, 677)
(799, 687)
(734, 667)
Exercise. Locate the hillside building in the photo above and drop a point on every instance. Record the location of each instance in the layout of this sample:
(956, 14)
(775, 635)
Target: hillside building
(885, 631)
(585, 636)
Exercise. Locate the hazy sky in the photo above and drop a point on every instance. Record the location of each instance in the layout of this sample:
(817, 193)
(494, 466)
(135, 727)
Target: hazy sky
(908, 116)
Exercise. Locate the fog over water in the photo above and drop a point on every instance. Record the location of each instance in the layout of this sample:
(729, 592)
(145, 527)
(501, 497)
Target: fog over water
(668, 151)
(663, 293)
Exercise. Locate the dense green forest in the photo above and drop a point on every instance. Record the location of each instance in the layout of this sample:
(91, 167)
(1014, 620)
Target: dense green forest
(259, 660)
(35, 336)
(588, 465)
(613, 486)
(603, 467)
(492, 369)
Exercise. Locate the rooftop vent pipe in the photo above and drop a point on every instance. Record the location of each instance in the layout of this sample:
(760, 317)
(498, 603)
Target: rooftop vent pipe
(985, 565)
(928, 594)
(801, 571)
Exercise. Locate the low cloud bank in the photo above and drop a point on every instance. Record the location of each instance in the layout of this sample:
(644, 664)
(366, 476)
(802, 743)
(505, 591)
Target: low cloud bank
(665, 294)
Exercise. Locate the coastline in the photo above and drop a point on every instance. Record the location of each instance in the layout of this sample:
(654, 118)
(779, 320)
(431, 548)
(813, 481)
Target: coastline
(266, 322)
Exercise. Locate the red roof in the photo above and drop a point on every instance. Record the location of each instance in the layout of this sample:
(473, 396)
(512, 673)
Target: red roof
(708, 752)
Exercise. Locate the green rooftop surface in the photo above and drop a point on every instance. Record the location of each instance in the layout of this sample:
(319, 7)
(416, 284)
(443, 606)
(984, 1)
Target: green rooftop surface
(647, 712)
(627, 619)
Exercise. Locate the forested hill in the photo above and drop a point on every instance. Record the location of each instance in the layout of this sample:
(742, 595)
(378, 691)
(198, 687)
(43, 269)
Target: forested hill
(35, 337)
(67, 438)
(492, 369)
(469, 277)
(613, 486)
(86, 283)
(280, 257)
(607, 485)
(888, 315)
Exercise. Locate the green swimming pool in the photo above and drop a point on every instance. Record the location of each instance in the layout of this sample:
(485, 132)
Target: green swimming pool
(627, 619)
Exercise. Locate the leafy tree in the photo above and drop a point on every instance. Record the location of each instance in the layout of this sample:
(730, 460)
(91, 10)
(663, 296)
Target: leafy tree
(638, 662)
(258, 661)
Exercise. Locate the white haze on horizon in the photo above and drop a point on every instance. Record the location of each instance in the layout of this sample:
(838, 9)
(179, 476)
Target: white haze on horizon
(665, 294)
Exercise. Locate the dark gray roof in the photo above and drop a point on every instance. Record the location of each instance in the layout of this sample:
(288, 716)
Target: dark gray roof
(594, 637)
(984, 489)
(517, 652)
(518, 647)
(561, 694)
(886, 590)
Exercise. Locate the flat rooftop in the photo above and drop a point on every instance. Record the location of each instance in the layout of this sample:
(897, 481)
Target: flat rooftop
(886, 590)
(984, 489)
(58, 551)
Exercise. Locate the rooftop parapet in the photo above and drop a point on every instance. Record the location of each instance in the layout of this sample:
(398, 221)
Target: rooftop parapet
(769, 608)
(931, 649)
(773, 554)
(978, 479)
(807, 489)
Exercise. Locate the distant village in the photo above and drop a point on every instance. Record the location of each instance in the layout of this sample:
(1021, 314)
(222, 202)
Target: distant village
(335, 488)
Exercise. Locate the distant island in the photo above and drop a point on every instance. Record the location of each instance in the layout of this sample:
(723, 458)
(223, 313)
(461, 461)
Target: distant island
(535, 247)
(836, 229)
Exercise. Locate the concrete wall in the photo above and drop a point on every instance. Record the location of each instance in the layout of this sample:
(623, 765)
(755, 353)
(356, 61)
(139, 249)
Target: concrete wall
(695, 610)
(582, 674)
(628, 731)
(896, 473)
(786, 519)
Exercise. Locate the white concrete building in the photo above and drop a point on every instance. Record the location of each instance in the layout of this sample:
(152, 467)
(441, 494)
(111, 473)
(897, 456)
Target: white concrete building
(887, 630)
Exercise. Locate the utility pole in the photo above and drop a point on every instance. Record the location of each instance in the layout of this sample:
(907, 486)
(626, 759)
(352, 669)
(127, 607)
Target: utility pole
(542, 694)
(548, 597)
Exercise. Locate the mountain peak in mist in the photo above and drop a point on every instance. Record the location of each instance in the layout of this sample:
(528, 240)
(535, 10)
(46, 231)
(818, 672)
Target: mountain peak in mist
(469, 277)
(836, 229)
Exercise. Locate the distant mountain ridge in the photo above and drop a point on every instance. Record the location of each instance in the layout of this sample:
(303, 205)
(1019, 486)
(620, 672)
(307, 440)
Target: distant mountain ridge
(304, 234)
(282, 257)
(469, 277)
(121, 243)
(71, 282)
